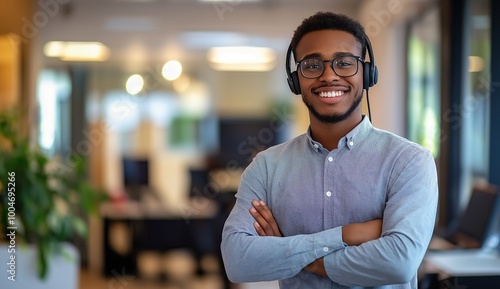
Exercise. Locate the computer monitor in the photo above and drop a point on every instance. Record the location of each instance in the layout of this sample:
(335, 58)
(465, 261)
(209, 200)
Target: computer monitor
(135, 176)
(200, 185)
(477, 221)
(240, 139)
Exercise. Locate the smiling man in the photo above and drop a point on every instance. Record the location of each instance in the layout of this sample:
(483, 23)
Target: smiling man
(345, 204)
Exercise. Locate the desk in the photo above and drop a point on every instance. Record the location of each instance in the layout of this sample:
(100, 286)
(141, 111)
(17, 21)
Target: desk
(153, 229)
(464, 268)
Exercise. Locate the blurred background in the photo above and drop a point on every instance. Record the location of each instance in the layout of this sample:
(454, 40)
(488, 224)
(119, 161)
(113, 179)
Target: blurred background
(168, 100)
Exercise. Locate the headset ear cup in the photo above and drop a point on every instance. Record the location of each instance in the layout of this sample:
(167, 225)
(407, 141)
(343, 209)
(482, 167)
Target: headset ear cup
(375, 76)
(366, 75)
(293, 82)
(293, 77)
(370, 75)
(290, 84)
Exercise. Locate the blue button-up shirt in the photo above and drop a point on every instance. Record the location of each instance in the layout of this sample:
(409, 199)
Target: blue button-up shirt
(313, 192)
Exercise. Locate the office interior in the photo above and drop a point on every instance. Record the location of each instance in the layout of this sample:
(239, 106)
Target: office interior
(167, 128)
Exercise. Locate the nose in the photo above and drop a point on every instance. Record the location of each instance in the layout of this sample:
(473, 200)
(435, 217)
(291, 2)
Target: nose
(329, 75)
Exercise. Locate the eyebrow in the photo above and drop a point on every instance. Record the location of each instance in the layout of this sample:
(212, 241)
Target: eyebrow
(335, 55)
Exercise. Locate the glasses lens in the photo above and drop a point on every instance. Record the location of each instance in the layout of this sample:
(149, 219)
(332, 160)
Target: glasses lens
(312, 67)
(345, 65)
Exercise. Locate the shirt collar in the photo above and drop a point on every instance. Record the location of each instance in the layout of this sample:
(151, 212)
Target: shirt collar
(355, 136)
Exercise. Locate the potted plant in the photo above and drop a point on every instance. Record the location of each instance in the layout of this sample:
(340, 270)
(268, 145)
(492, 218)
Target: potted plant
(42, 202)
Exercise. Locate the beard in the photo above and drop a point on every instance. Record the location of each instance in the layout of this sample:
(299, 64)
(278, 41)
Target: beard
(336, 117)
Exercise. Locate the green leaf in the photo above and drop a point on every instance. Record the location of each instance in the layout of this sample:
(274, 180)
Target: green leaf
(42, 259)
(80, 226)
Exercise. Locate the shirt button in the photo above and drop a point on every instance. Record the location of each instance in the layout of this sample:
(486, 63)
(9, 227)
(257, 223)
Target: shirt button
(325, 249)
(328, 194)
(330, 159)
(316, 145)
(351, 143)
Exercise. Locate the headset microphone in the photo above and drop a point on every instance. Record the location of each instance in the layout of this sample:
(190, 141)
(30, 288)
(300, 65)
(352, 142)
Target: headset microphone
(370, 75)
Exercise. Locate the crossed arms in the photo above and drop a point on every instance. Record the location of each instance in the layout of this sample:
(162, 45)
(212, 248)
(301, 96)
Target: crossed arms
(352, 234)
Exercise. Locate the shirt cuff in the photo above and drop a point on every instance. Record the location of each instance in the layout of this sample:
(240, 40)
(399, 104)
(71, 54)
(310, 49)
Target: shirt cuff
(328, 241)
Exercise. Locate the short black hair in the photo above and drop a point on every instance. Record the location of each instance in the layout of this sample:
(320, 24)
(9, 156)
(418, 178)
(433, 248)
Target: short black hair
(330, 21)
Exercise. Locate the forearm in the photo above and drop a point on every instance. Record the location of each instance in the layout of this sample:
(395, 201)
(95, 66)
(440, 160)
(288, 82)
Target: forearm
(358, 233)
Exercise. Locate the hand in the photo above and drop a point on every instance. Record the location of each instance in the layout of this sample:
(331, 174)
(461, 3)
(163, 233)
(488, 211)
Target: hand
(317, 267)
(357, 233)
(352, 234)
(265, 224)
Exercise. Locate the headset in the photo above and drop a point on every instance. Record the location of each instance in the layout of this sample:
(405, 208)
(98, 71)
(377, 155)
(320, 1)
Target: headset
(370, 72)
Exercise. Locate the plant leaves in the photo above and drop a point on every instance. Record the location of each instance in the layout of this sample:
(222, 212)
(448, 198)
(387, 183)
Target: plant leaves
(39, 181)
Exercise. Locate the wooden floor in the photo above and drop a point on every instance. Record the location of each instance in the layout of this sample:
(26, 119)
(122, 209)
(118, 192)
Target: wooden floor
(92, 280)
(180, 269)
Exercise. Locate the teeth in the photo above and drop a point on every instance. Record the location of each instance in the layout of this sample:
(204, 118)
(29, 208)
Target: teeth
(331, 93)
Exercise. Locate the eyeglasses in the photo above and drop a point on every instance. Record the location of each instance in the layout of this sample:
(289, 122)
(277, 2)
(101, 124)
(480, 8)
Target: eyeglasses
(344, 66)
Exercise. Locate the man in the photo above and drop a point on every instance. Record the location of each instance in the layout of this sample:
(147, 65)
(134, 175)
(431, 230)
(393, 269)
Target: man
(344, 204)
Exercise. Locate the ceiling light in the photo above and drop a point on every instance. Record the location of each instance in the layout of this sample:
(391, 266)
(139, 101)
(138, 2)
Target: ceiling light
(134, 84)
(76, 51)
(54, 49)
(171, 70)
(242, 58)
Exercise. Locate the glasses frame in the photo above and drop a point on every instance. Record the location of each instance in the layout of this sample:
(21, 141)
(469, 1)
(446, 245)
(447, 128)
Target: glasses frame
(358, 58)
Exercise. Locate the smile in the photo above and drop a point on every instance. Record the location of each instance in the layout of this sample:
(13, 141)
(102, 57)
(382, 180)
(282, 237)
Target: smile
(331, 93)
